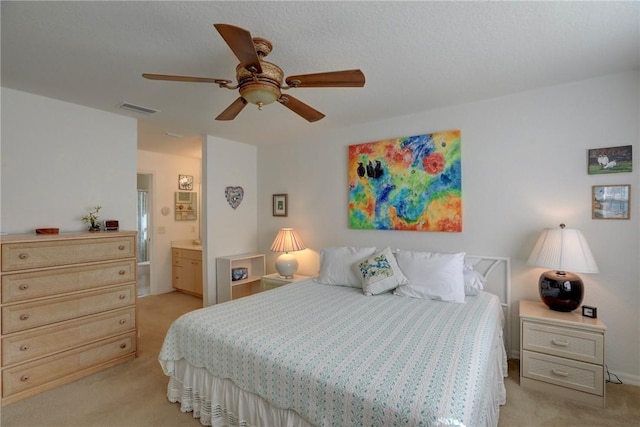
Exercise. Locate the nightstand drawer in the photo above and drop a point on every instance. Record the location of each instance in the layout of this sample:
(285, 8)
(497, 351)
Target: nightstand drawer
(566, 373)
(563, 342)
(268, 284)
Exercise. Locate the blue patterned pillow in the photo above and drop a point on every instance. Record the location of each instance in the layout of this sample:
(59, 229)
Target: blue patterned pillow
(380, 273)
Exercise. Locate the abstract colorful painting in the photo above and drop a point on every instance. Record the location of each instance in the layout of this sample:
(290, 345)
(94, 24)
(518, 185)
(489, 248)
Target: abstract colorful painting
(410, 183)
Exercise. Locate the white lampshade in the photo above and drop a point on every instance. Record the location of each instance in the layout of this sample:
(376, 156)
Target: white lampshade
(563, 249)
(287, 240)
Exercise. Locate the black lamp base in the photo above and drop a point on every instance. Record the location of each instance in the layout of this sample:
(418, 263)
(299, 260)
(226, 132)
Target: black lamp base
(561, 291)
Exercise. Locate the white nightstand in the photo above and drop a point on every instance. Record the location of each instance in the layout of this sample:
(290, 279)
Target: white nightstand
(562, 353)
(271, 281)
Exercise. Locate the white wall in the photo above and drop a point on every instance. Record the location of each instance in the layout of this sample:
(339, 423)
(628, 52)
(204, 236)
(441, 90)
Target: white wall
(164, 228)
(524, 166)
(227, 231)
(59, 160)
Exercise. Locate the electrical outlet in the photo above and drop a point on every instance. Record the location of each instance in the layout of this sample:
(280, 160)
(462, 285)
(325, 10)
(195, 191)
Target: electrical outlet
(162, 230)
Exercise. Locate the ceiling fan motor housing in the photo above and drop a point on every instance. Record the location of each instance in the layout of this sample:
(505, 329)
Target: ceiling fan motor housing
(260, 89)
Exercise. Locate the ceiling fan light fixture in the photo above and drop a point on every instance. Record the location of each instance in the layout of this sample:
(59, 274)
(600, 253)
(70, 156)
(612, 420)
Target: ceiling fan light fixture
(259, 94)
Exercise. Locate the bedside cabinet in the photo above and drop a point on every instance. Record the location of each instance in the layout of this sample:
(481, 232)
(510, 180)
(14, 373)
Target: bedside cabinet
(271, 281)
(562, 353)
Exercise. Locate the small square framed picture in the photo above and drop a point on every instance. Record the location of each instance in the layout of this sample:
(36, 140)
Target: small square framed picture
(185, 182)
(279, 205)
(610, 201)
(588, 311)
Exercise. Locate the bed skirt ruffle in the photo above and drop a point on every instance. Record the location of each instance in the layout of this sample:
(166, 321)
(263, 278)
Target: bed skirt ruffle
(218, 402)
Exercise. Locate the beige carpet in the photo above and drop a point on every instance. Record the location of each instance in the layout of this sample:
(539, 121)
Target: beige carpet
(134, 394)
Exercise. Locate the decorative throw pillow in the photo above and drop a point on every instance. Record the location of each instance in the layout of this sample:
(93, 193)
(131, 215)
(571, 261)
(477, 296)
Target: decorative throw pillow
(473, 281)
(336, 265)
(432, 275)
(380, 273)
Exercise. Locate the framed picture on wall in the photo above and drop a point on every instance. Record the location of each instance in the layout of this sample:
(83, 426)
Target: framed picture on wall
(279, 205)
(609, 160)
(185, 182)
(610, 201)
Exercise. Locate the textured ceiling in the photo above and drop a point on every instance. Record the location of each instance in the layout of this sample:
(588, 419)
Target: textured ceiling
(416, 56)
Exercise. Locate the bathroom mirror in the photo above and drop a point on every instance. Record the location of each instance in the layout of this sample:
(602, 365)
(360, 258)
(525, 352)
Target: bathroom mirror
(186, 206)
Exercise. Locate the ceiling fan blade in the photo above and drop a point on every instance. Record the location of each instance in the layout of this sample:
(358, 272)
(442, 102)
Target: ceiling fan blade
(346, 78)
(232, 110)
(241, 44)
(300, 108)
(185, 78)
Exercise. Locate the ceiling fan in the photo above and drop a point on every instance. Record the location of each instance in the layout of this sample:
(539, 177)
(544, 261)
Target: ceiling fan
(260, 82)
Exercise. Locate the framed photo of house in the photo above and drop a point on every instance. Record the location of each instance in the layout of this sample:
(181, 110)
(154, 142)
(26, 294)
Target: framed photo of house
(279, 205)
(610, 201)
(609, 160)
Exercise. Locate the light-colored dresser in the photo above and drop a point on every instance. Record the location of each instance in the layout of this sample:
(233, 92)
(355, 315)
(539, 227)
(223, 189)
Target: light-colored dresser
(562, 354)
(68, 305)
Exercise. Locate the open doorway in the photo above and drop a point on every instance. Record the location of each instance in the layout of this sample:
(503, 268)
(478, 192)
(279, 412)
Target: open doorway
(144, 238)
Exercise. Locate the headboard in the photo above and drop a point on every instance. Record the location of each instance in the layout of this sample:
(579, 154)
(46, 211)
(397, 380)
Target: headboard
(497, 272)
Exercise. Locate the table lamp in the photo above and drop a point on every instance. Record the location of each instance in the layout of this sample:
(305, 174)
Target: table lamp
(562, 249)
(287, 240)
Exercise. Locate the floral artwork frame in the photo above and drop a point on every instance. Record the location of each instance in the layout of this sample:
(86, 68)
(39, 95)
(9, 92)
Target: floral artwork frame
(611, 201)
(408, 183)
(610, 160)
(280, 205)
(185, 182)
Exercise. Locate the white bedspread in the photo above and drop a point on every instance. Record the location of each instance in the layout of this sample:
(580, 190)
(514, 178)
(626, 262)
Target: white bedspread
(339, 358)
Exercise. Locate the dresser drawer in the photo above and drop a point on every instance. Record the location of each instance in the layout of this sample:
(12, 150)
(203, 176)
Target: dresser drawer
(563, 342)
(25, 346)
(51, 253)
(563, 372)
(192, 254)
(24, 377)
(24, 286)
(23, 316)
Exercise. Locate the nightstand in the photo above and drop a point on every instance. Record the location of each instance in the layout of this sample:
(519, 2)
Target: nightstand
(271, 281)
(562, 353)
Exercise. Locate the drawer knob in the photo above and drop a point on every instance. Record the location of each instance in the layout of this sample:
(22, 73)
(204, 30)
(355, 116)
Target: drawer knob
(122, 296)
(24, 378)
(122, 272)
(23, 287)
(123, 321)
(560, 373)
(121, 247)
(23, 256)
(24, 316)
(24, 347)
(123, 345)
(559, 343)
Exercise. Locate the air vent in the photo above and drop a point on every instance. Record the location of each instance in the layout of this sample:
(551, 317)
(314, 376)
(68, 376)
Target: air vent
(137, 108)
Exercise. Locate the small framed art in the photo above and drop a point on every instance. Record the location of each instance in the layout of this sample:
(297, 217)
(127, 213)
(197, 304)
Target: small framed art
(185, 182)
(610, 201)
(279, 205)
(609, 160)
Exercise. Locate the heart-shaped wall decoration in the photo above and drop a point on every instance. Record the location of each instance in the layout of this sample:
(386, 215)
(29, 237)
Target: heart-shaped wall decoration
(234, 196)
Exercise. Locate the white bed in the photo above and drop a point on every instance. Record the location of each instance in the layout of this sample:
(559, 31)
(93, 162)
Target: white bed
(311, 354)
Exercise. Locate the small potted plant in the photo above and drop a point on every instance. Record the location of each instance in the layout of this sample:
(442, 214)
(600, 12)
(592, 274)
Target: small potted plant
(92, 219)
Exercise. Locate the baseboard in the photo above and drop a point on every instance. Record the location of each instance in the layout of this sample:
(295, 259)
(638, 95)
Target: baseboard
(626, 378)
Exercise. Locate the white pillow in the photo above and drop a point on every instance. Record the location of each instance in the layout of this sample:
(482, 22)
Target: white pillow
(473, 281)
(337, 265)
(432, 275)
(380, 273)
